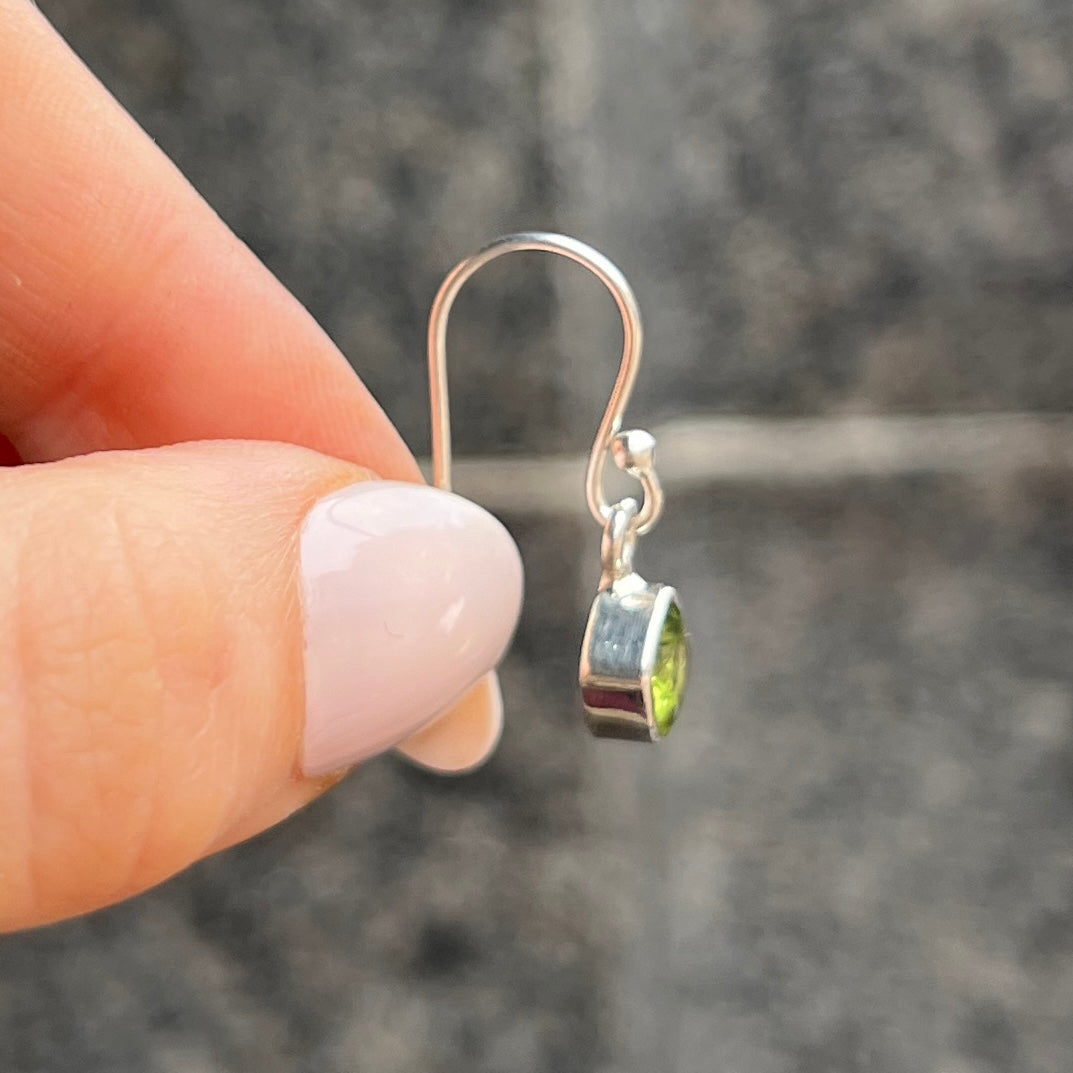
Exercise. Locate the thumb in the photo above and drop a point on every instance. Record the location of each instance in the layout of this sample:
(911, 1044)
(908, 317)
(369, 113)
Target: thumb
(196, 640)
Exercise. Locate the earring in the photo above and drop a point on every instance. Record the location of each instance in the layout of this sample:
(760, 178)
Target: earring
(635, 653)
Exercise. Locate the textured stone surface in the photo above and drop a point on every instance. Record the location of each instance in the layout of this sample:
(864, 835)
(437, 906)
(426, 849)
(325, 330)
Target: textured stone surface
(854, 852)
(823, 206)
(861, 828)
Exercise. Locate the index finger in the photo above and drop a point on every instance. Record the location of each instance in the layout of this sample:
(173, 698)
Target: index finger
(130, 316)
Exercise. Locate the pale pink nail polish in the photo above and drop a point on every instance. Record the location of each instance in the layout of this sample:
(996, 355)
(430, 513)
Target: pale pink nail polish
(409, 594)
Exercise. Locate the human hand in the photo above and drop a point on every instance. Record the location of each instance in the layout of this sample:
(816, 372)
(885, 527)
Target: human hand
(195, 639)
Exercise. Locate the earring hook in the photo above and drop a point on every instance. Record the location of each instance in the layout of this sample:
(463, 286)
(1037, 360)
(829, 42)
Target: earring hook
(631, 451)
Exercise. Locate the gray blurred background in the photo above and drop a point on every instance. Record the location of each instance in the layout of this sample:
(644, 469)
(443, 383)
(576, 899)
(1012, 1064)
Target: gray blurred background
(850, 226)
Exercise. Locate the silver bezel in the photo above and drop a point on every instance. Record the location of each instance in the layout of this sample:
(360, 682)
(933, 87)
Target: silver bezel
(618, 657)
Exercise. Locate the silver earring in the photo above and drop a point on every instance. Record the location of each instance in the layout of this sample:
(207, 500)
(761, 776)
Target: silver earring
(635, 653)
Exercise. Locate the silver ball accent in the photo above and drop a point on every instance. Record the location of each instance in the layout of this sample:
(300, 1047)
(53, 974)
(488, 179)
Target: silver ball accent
(633, 451)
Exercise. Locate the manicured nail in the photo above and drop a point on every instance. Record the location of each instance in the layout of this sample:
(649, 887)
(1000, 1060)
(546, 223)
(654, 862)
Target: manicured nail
(410, 594)
(461, 739)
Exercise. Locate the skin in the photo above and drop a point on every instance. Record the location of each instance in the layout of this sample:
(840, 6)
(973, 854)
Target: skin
(130, 319)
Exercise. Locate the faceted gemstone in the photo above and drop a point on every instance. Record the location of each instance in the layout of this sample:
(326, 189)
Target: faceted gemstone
(669, 675)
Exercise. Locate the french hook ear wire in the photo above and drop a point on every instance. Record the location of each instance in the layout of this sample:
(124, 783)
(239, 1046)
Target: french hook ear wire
(625, 447)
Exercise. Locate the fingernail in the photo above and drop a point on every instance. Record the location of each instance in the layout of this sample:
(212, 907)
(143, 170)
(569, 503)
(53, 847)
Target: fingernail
(461, 739)
(409, 595)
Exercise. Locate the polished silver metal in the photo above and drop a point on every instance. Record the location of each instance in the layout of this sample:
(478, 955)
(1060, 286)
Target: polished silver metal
(618, 543)
(618, 658)
(608, 434)
(622, 638)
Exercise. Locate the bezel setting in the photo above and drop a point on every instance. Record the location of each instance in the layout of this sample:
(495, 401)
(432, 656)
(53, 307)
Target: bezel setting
(619, 656)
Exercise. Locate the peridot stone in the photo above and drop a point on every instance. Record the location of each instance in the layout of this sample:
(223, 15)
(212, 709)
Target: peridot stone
(669, 674)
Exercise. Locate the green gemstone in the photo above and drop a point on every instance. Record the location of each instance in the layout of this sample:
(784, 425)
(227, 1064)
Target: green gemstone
(669, 675)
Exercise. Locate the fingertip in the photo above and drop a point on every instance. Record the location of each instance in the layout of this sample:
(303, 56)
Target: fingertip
(460, 741)
(465, 737)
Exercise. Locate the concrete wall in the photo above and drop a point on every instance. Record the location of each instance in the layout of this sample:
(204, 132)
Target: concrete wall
(856, 850)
